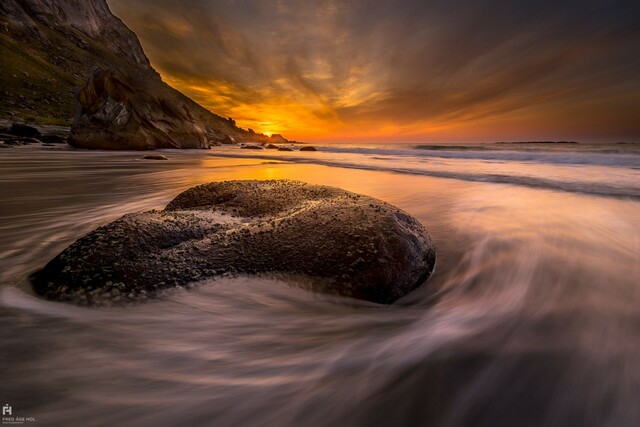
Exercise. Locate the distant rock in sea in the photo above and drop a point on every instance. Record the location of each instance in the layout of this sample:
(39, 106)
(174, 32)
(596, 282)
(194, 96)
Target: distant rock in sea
(345, 243)
(155, 157)
(308, 148)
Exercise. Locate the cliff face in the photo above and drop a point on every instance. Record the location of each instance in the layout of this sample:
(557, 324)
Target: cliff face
(77, 20)
(129, 112)
(50, 48)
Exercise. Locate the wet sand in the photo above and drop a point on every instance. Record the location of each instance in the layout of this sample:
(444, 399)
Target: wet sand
(536, 323)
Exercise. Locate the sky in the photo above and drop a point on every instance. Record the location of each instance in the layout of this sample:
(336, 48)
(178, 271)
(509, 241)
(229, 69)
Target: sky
(403, 70)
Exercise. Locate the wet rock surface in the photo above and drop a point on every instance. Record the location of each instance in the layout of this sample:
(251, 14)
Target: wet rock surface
(347, 244)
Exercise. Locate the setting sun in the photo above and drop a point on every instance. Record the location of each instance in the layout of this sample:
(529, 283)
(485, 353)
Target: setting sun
(347, 77)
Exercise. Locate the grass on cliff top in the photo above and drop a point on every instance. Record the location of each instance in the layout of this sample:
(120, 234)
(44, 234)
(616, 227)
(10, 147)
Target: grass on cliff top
(33, 89)
(39, 74)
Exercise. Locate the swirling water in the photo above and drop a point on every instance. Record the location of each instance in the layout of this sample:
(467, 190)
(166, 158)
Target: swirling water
(531, 318)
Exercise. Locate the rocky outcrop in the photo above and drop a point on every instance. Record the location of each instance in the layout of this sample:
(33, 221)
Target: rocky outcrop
(345, 243)
(129, 112)
(20, 134)
(308, 148)
(276, 138)
(50, 48)
(83, 22)
(18, 129)
(251, 147)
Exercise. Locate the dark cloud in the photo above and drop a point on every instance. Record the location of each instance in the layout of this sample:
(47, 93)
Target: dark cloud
(420, 68)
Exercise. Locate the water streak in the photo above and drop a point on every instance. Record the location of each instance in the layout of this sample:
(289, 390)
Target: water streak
(530, 319)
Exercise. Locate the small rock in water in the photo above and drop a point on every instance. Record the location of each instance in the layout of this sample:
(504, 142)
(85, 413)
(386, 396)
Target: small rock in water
(285, 149)
(155, 157)
(251, 147)
(347, 244)
(308, 148)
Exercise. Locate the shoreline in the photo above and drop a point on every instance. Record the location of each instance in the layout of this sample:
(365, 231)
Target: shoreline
(528, 279)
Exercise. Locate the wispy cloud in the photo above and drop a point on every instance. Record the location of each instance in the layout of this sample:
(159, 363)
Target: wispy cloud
(454, 69)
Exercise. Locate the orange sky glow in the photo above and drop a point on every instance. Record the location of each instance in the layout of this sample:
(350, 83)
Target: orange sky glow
(343, 71)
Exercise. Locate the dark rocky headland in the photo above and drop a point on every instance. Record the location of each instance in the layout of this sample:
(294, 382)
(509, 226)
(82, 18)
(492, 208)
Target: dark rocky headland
(64, 62)
(347, 244)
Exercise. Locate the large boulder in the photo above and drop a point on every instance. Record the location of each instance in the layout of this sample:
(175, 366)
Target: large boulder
(123, 112)
(345, 243)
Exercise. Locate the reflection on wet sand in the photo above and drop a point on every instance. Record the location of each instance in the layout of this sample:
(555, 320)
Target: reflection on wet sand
(536, 323)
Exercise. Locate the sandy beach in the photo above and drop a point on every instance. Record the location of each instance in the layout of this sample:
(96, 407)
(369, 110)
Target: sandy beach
(536, 308)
